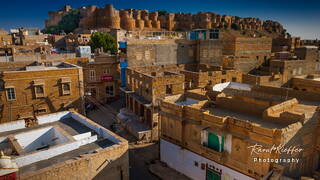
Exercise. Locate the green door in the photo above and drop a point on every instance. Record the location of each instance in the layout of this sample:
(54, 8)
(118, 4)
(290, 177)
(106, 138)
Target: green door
(211, 175)
(213, 142)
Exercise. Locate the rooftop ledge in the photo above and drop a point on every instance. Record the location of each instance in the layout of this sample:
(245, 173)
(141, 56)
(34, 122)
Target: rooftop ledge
(61, 135)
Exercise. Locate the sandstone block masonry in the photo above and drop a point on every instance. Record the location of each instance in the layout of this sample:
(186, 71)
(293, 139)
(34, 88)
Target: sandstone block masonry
(44, 88)
(241, 119)
(163, 52)
(132, 19)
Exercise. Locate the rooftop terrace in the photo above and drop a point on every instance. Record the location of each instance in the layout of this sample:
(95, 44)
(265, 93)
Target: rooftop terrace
(58, 137)
(271, 113)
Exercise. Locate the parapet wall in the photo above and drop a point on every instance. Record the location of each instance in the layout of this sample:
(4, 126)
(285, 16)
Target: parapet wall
(281, 113)
(242, 104)
(285, 92)
(282, 107)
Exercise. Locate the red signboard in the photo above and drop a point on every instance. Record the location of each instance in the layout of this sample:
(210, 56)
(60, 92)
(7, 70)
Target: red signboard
(106, 78)
(11, 176)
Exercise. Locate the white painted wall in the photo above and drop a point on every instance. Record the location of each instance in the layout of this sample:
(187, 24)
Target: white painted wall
(53, 151)
(27, 138)
(58, 138)
(49, 118)
(31, 140)
(46, 154)
(231, 85)
(87, 140)
(97, 128)
(81, 136)
(10, 126)
(183, 161)
(4, 143)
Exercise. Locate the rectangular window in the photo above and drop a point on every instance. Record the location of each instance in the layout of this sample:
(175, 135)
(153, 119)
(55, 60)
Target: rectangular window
(66, 88)
(11, 95)
(109, 91)
(42, 110)
(168, 89)
(213, 175)
(107, 71)
(92, 75)
(212, 141)
(39, 91)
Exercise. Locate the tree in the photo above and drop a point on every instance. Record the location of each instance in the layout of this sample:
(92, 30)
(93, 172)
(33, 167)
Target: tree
(53, 29)
(235, 26)
(70, 21)
(67, 24)
(103, 40)
(162, 12)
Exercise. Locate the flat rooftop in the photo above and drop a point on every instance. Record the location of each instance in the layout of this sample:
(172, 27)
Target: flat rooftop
(161, 74)
(36, 66)
(222, 112)
(58, 137)
(48, 66)
(265, 104)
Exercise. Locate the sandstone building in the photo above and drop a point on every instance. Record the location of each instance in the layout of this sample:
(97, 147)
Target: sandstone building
(64, 145)
(307, 62)
(285, 43)
(40, 88)
(171, 51)
(285, 65)
(245, 53)
(94, 17)
(5, 38)
(309, 83)
(74, 40)
(145, 85)
(102, 78)
(209, 136)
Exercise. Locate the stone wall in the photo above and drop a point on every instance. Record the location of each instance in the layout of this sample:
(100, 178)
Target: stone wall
(274, 80)
(104, 66)
(244, 64)
(151, 52)
(27, 104)
(287, 92)
(281, 114)
(185, 127)
(291, 68)
(305, 84)
(307, 53)
(210, 52)
(131, 19)
(109, 163)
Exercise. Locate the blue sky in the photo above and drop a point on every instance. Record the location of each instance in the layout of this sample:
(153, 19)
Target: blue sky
(300, 18)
